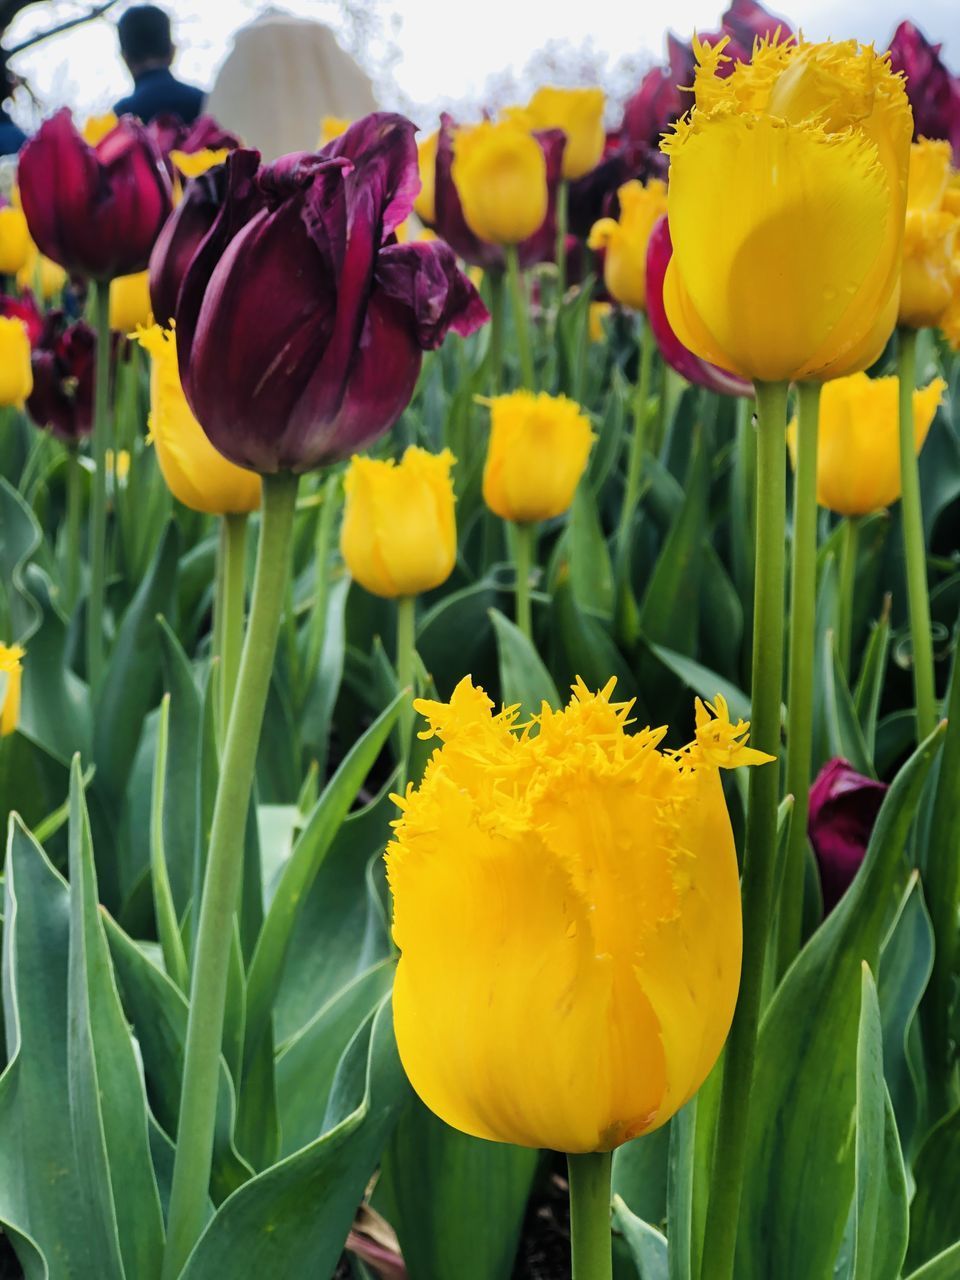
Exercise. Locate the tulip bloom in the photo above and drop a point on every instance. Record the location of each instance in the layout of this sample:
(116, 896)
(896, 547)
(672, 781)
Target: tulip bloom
(501, 177)
(798, 277)
(300, 328)
(14, 240)
(425, 205)
(930, 296)
(196, 474)
(96, 210)
(11, 674)
(16, 378)
(858, 453)
(399, 533)
(538, 450)
(26, 310)
(568, 977)
(624, 241)
(579, 113)
(63, 375)
(843, 809)
(129, 302)
(934, 92)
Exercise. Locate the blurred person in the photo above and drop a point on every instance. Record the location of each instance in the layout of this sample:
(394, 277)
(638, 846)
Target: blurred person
(147, 48)
(12, 136)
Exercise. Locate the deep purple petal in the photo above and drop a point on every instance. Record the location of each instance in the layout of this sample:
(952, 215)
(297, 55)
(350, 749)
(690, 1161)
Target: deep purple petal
(383, 150)
(24, 309)
(934, 92)
(425, 278)
(843, 809)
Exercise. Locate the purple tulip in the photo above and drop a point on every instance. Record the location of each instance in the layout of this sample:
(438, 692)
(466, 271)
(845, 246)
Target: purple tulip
(26, 310)
(95, 210)
(679, 357)
(843, 809)
(63, 362)
(205, 134)
(933, 91)
(301, 324)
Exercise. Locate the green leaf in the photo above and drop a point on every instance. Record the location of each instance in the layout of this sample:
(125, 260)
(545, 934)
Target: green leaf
(455, 636)
(324, 684)
(648, 1248)
(880, 1196)
(935, 1209)
(180, 815)
(844, 735)
(293, 1219)
(55, 702)
(609, 443)
(804, 1087)
(166, 916)
(588, 651)
(523, 677)
(705, 683)
(640, 1174)
(20, 538)
(869, 688)
(591, 571)
(945, 1266)
(680, 1191)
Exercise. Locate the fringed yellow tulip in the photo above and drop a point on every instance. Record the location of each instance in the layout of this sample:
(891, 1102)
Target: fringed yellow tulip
(793, 274)
(196, 474)
(625, 241)
(425, 205)
(191, 164)
(11, 674)
(130, 302)
(930, 295)
(500, 174)
(15, 242)
(858, 452)
(399, 534)
(579, 113)
(567, 908)
(538, 450)
(16, 373)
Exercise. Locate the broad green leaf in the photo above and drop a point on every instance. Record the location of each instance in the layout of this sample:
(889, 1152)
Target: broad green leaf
(609, 441)
(640, 1174)
(825, 622)
(804, 1087)
(587, 650)
(935, 1209)
(844, 734)
(648, 1248)
(721, 615)
(323, 685)
(20, 537)
(945, 1266)
(166, 917)
(523, 677)
(180, 816)
(869, 688)
(591, 571)
(455, 636)
(55, 702)
(705, 683)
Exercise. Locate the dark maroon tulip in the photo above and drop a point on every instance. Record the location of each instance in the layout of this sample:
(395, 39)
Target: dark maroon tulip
(934, 92)
(593, 196)
(95, 210)
(63, 375)
(205, 134)
(26, 310)
(679, 357)
(452, 226)
(746, 21)
(300, 323)
(843, 809)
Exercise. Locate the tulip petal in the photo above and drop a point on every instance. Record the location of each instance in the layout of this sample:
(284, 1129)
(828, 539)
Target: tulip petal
(383, 150)
(427, 280)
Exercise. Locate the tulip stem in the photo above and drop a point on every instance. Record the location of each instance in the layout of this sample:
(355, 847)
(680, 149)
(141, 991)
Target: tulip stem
(224, 869)
(406, 651)
(563, 196)
(496, 330)
(590, 1243)
(232, 567)
(321, 590)
(759, 860)
(914, 545)
(518, 300)
(98, 502)
(803, 603)
(523, 550)
(72, 574)
(637, 441)
(849, 538)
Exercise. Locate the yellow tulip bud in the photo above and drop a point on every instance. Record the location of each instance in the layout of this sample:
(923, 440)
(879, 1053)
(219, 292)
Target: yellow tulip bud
(425, 205)
(598, 313)
(567, 909)
(16, 373)
(930, 293)
(190, 164)
(332, 127)
(196, 474)
(538, 450)
(11, 674)
(858, 443)
(500, 174)
(399, 534)
(579, 113)
(625, 241)
(41, 274)
(95, 128)
(15, 240)
(797, 276)
(130, 302)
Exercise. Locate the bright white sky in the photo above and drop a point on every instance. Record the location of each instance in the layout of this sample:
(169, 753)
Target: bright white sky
(443, 51)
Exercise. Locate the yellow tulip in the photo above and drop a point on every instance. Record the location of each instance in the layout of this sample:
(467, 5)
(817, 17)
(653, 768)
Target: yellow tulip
(598, 313)
(567, 909)
(96, 128)
(41, 274)
(425, 205)
(579, 113)
(15, 240)
(332, 127)
(787, 198)
(500, 175)
(196, 474)
(858, 451)
(931, 245)
(625, 241)
(16, 373)
(11, 674)
(399, 534)
(538, 450)
(118, 465)
(190, 164)
(130, 302)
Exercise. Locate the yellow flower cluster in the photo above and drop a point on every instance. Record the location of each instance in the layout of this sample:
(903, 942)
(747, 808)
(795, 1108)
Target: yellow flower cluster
(931, 244)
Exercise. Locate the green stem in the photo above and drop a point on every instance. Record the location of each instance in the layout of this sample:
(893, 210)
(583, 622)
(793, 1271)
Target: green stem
(803, 600)
(563, 192)
(406, 650)
(849, 537)
(98, 503)
(523, 546)
(637, 440)
(590, 1243)
(321, 590)
(221, 885)
(233, 564)
(496, 331)
(761, 838)
(521, 317)
(74, 504)
(913, 542)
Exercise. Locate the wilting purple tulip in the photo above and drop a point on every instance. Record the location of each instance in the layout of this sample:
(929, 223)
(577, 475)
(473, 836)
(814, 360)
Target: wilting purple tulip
(843, 809)
(205, 134)
(746, 21)
(63, 375)
(934, 92)
(300, 323)
(679, 357)
(95, 210)
(451, 225)
(26, 310)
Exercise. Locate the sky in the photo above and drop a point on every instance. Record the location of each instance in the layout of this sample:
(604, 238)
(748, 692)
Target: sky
(422, 53)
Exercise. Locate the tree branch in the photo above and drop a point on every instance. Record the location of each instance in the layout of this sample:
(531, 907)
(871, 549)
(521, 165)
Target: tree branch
(81, 18)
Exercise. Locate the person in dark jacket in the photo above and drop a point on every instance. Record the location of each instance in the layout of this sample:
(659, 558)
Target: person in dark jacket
(12, 136)
(147, 48)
